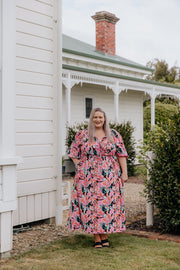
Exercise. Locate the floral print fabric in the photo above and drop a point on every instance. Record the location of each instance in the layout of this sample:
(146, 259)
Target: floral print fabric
(97, 204)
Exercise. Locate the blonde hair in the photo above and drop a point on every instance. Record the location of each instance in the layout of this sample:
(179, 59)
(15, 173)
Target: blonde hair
(91, 128)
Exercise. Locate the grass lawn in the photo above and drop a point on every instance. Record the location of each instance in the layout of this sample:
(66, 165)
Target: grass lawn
(77, 253)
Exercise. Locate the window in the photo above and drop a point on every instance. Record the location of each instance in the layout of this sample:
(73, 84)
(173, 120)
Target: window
(88, 106)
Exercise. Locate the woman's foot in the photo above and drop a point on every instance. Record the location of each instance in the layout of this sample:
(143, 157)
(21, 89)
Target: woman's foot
(97, 245)
(97, 240)
(105, 243)
(104, 240)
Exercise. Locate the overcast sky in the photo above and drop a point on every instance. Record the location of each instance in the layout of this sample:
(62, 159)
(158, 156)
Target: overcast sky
(147, 28)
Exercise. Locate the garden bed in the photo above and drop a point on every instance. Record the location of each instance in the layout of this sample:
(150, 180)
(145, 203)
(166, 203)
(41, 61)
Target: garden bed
(140, 225)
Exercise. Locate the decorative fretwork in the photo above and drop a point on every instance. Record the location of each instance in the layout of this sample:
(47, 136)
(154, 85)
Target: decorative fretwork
(118, 85)
(71, 78)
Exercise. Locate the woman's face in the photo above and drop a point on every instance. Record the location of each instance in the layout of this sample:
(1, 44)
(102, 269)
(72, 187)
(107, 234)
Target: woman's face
(98, 119)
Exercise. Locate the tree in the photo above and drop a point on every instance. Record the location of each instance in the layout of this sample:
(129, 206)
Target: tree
(161, 72)
(178, 75)
(172, 75)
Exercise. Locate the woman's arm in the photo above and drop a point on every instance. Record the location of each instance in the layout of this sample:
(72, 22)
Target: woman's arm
(123, 165)
(75, 160)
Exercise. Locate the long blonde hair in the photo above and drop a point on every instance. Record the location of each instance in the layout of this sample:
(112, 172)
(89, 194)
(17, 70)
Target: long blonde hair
(91, 128)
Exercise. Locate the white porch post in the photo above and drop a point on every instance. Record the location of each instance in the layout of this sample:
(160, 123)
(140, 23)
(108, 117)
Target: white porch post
(68, 99)
(8, 160)
(149, 205)
(116, 103)
(116, 90)
(69, 83)
(153, 110)
(179, 99)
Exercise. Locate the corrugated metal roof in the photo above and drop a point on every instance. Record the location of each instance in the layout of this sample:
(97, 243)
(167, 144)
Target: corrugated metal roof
(73, 45)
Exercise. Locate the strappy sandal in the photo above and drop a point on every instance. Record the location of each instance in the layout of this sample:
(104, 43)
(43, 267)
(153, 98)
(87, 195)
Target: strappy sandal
(105, 243)
(98, 245)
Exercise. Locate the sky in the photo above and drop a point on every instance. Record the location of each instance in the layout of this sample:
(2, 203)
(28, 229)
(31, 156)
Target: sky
(147, 29)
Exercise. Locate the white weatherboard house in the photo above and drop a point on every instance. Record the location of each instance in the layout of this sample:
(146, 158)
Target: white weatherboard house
(94, 76)
(30, 97)
(30, 116)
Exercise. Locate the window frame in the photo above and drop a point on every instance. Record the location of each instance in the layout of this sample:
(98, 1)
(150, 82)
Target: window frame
(90, 97)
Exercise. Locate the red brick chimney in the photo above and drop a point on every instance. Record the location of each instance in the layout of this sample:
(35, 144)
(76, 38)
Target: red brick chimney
(105, 32)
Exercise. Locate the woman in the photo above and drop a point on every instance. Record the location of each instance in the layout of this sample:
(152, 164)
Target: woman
(97, 200)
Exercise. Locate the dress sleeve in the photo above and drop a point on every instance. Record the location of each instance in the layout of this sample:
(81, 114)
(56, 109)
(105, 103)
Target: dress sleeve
(120, 148)
(74, 150)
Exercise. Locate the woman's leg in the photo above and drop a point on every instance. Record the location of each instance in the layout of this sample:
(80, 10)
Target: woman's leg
(104, 240)
(97, 239)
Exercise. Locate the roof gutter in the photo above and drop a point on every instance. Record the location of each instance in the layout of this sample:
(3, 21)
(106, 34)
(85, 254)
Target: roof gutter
(106, 59)
(112, 75)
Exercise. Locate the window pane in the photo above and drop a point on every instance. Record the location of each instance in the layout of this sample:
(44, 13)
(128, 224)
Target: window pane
(88, 107)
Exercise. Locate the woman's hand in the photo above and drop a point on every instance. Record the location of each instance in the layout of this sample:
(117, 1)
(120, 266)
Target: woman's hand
(123, 164)
(124, 178)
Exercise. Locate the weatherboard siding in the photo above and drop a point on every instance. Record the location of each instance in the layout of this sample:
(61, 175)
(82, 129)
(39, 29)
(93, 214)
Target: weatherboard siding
(1, 183)
(131, 109)
(35, 113)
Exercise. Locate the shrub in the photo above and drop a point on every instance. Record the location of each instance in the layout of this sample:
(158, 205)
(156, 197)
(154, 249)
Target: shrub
(162, 114)
(164, 100)
(163, 187)
(71, 132)
(125, 129)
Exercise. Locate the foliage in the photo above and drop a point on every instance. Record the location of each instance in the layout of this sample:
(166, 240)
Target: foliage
(163, 187)
(141, 171)
(126, 131)
(164, 100)
(162, 113)
(177, 82)
(161, 72)
(71, 132)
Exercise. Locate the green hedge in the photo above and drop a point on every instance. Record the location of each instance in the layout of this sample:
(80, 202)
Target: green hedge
(125, 129)
(71, 132)
(162, 113)
(163, 188)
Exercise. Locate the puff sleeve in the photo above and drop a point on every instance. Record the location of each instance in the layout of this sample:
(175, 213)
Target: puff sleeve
(120, 148)
(75, 150)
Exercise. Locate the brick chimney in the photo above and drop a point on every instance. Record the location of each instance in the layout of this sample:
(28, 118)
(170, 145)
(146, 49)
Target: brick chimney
(105, 32)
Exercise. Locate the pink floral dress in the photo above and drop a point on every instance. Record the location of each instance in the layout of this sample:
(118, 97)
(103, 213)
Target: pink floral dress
(97, 204)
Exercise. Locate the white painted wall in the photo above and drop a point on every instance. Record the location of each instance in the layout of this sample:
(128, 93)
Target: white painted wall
(101, 97)
(36, 91)
(131, 109)
(8, 158)
(130, 106)
(1, 183)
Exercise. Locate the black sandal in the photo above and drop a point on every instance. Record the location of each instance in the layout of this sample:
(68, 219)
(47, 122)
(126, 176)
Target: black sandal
(105, 241)
(96, 244)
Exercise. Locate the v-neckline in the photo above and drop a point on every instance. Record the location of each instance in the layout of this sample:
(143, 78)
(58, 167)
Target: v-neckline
(100, 139)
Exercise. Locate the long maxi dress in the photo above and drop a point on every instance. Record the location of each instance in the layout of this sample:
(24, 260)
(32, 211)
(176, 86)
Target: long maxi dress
(97, 204)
